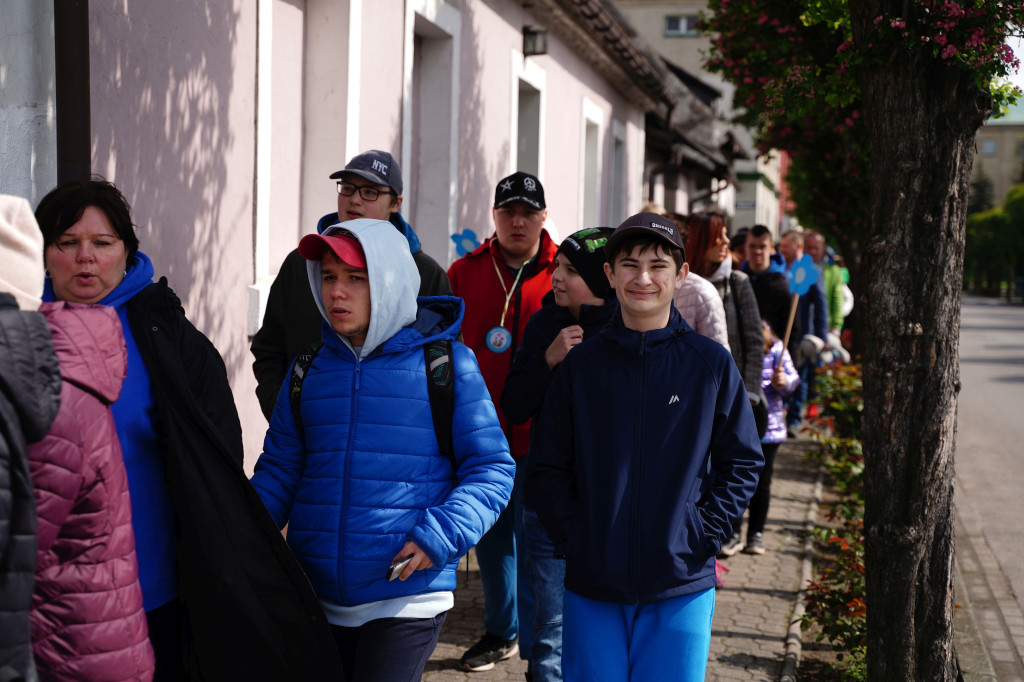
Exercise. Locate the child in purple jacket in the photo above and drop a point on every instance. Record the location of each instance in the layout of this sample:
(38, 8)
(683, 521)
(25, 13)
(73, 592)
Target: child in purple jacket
(779, 378)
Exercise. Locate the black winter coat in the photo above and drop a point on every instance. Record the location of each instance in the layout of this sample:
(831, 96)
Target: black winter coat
(771, 289)
(530, 376)
(249, 610)
(29, 399)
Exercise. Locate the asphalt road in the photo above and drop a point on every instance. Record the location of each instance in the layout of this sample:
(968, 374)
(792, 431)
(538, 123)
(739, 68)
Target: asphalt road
(990, 476)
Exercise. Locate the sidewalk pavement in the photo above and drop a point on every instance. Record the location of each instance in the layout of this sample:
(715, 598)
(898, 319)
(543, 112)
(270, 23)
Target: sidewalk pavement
(752, 638)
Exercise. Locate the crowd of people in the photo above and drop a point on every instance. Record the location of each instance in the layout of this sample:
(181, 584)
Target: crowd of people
(594, 417)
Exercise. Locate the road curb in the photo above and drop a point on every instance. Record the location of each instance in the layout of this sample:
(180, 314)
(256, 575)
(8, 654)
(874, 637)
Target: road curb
(794, 635)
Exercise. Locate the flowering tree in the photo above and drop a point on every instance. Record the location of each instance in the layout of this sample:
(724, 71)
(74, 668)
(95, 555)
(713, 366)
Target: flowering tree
(879, 102)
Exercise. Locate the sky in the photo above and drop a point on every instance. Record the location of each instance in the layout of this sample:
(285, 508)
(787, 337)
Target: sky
(1018, 49)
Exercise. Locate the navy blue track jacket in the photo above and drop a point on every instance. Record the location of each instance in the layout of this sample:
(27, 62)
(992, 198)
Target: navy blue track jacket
(645, 456)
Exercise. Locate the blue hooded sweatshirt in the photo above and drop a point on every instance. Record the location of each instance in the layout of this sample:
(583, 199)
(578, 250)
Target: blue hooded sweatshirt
(135, 418)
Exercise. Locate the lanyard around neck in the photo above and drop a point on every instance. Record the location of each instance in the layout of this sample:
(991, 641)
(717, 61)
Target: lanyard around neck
(508, 293)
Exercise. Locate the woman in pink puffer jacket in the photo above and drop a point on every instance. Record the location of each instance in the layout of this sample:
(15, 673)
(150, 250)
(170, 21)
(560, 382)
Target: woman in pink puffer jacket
(87, 617)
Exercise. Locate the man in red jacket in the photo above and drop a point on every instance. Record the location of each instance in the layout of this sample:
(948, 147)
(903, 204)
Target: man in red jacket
(502, 283)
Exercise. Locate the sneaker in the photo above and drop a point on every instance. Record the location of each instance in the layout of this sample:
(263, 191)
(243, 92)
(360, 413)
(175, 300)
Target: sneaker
(755, 544)
(720, 571)
(731, 546)
(488, 651)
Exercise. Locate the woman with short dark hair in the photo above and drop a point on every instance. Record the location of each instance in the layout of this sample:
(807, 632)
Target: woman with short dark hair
(224, 598)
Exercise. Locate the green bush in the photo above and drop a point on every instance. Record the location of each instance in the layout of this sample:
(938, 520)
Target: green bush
(837, 598)
(840, 400)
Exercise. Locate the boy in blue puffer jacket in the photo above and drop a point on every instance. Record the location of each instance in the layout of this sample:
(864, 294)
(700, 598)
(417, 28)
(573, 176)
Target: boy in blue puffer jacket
(355, 469)
(644, 457)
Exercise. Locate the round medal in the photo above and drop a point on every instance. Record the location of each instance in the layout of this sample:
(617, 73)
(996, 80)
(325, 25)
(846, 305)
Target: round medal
(498, 339)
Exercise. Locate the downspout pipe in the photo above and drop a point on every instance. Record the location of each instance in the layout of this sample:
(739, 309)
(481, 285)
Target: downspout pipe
(71, 81)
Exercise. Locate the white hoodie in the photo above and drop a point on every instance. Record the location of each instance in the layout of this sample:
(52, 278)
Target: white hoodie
(394, 279)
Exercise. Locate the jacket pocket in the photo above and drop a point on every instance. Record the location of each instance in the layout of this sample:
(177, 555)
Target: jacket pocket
(697, 541)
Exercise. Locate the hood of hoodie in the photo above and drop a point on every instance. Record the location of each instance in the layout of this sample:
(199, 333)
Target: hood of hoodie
(396, 219)
(89, 345)
(29, 376)
(776, 264)
(394, 281)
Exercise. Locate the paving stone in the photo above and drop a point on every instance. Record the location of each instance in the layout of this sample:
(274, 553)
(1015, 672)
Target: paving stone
(751, 615)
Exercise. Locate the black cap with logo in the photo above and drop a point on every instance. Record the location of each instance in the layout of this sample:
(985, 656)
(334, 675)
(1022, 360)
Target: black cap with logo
(522, 187)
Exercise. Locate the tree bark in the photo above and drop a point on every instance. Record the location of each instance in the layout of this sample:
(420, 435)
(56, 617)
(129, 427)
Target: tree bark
(922, 116)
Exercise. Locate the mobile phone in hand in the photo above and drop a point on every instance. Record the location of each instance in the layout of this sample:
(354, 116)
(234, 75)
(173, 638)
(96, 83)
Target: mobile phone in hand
(396, 568)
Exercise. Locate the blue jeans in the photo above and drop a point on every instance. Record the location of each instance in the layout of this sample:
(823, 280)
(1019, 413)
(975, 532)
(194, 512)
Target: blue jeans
(541, 587)
(496, 556)
(666, 640)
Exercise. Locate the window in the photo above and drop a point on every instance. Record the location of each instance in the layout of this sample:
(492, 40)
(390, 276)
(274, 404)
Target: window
(528, 157)
(617, 177)
(590, 161)
(988, 148)
(681, 26)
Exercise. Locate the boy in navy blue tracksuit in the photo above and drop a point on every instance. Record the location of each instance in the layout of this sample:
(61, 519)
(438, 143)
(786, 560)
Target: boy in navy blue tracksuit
(645, 456)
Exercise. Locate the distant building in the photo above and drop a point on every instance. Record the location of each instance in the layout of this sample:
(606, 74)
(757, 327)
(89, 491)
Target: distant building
(754, 194)
(999, 152)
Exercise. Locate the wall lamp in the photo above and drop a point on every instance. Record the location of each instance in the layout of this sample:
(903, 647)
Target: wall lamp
(535, 40)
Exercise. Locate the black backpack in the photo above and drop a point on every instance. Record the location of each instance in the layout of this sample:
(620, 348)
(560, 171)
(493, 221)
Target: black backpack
(440, 387)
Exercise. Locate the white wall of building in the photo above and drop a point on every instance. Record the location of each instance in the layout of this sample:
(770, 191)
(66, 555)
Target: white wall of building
(173, 92)
(221, 121)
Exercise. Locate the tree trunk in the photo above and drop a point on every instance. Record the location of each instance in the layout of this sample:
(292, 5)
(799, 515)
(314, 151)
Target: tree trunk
(922, 117)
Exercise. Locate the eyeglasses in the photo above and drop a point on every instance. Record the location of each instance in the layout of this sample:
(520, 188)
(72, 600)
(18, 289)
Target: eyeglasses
(347, 189)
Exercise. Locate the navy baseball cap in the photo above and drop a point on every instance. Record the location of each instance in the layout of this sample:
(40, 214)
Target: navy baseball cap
(376, 166)
(648, 224)
(522, 187)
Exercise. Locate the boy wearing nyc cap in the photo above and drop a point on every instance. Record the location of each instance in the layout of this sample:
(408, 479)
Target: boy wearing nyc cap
(354, 468)
(645, 455)
(503, 282)
(369, 186)
(579, 305)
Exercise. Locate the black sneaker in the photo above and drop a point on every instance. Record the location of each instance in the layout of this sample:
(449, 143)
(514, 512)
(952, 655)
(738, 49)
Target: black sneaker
(755, 544)
(732, 545)
(488, 651)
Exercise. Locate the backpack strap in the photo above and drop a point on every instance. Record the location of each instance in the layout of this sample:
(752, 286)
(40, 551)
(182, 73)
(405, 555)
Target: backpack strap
(299, 369)
(441, 388)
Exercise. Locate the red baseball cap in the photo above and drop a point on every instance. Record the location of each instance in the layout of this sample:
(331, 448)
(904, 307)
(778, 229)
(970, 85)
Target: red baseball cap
(348, 249)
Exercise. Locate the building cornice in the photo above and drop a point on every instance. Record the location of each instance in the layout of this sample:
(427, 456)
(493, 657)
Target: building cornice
(596, 31)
